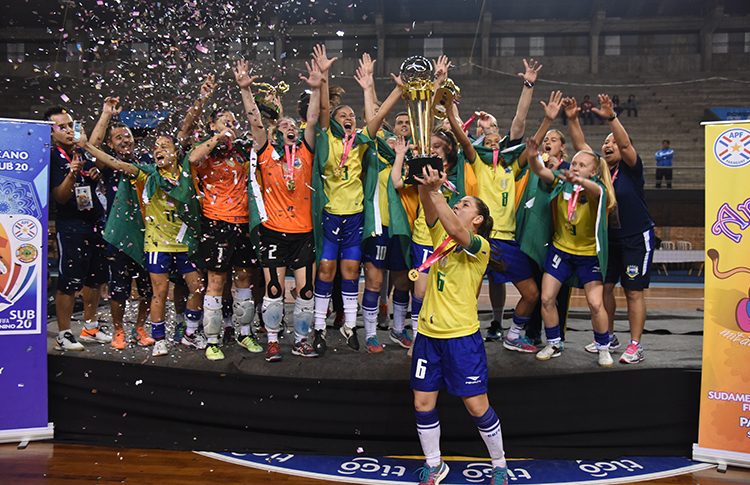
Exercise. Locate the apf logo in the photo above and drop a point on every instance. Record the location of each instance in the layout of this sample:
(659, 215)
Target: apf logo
(732, 148)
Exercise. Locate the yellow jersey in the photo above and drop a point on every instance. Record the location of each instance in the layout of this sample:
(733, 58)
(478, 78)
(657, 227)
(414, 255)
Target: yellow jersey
(163, 225)
(450, 303)
(497, 188)
(420, 233)
(578, 235)
(345, 192)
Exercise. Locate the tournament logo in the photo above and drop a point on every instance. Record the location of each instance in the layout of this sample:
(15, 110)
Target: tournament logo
(25, 230)
(26, 253)
(631, 271)
(732, 148)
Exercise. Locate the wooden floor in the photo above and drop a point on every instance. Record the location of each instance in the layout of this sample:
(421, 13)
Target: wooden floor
(71, 464)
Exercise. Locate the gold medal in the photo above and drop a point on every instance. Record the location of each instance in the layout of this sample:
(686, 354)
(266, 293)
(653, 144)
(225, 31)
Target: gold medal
(414, 275)
(545, 157)
(337, 172)
(290, 184)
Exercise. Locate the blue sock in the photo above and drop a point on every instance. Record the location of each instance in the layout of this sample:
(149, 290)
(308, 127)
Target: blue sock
(157, 330)
(489, 429)
(370, 299)
(553, 334)
(519, 320)
(601, 339)
(323, 288)
(400, 296)
(428, 429)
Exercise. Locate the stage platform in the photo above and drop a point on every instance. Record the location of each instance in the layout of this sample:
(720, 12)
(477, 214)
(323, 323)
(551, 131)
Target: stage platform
(349, 402)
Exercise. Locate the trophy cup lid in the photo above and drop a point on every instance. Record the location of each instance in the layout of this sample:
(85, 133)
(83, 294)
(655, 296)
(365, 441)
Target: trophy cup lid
(416, 68)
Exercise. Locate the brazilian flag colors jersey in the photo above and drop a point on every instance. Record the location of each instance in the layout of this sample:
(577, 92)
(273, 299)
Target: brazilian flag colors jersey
(163, 224)
(497, 189)
(578, 235)
(450, 304)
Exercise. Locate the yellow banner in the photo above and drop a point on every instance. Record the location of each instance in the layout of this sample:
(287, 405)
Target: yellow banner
(724, 430)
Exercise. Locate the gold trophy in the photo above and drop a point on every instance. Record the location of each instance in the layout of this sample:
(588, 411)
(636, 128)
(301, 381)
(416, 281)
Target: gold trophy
(422, 104)
(264, 105)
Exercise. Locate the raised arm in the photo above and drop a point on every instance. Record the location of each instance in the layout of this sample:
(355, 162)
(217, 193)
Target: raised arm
(317, 84)
(109, 110)
(187, 128)
(324, 64)
(551, 110)
(436, 207)
(470, 154)
(574, 126)
(242, 76)
(365, 79)
(397, 170)
(529, 76)
(373, 124)
(536, 166)
(107, 160)
(627, 152)
(441, 71)
(204, 149)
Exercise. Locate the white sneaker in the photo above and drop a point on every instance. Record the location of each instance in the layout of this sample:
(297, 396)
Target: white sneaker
(95, 336)
(605, 359)
(67, 341)
(614, 343)
(160, 348)
(551, 350)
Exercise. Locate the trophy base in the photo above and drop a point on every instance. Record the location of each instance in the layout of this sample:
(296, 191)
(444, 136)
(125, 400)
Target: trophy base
(415, 165)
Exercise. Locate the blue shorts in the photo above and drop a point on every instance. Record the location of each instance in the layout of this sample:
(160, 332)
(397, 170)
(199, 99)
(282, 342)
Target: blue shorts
(160, 263)
(630, 260)
(342, 236)
(517, 266)
(82, 260)
(384, 252)
(419, 254)
(563, 265)
(458, 364)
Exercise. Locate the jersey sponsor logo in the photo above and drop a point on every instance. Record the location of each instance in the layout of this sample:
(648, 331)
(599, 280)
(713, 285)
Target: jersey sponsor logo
(632, 271)
(732, 148)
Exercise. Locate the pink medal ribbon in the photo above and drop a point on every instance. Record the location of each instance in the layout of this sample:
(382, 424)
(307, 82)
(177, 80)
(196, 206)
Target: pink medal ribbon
(442, 251)
(573, 201)
(449, 185)
(468, 122)
(348, 141)
(495, 154)
(291, 154)
(617, 170)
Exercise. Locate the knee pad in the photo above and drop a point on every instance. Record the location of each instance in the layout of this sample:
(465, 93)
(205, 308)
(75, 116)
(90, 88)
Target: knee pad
(272, 310)
(303, 316)
(243, 312)
(212, 321)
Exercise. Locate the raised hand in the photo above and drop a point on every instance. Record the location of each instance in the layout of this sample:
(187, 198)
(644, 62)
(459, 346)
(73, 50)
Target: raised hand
(397, 79)
(364, 78)
(367, 63)
(242, 75)
(606, 110)
(571, 108)
(552, 108)
(315, 79)
(208, 86)
(110, 105)
(319, 54)
(532, 147)
(401, 146)
(441, 70)
(532, 69)
(431, 179)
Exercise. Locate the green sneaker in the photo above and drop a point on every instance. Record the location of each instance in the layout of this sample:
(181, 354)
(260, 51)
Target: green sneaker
(213, 352)
(250, 343)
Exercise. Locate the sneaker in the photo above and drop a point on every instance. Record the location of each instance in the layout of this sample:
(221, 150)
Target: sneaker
(67, 341)
(551, 350)
(118, 342)
(273, 352)
(196, 341)
(95, 336)
(633, 354)
(179, 331)
(605, 359)
(213, 352)
(499, 475)
(303, 349)
(383, 317)
(228, 337)
(141, 337)
(319, 342)
(338, 321)
(350, 334)
(160, 348)
(613, 344)
(373, 346)
(249, 342)
(495, 332)
(519, 345)
(403, 338)
(433, 476)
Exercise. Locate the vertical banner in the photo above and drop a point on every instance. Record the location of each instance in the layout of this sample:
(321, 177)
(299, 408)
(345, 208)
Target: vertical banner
(24, 194)
(724, 429)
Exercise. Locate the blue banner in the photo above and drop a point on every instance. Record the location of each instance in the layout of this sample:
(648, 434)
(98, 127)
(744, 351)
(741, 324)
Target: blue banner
(24, 204)
(728, 114)
(143, 119)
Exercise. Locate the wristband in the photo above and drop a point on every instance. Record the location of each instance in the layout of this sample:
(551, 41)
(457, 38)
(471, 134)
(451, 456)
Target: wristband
(528, 83)
(612, 118)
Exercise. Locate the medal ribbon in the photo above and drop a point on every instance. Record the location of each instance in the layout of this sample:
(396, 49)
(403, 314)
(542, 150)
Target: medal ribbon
(617, 170)
(573, 201)
(468, 122)
(495, 154)
(449, 185)
(348, 141)
(442, 251)
(290, 153)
